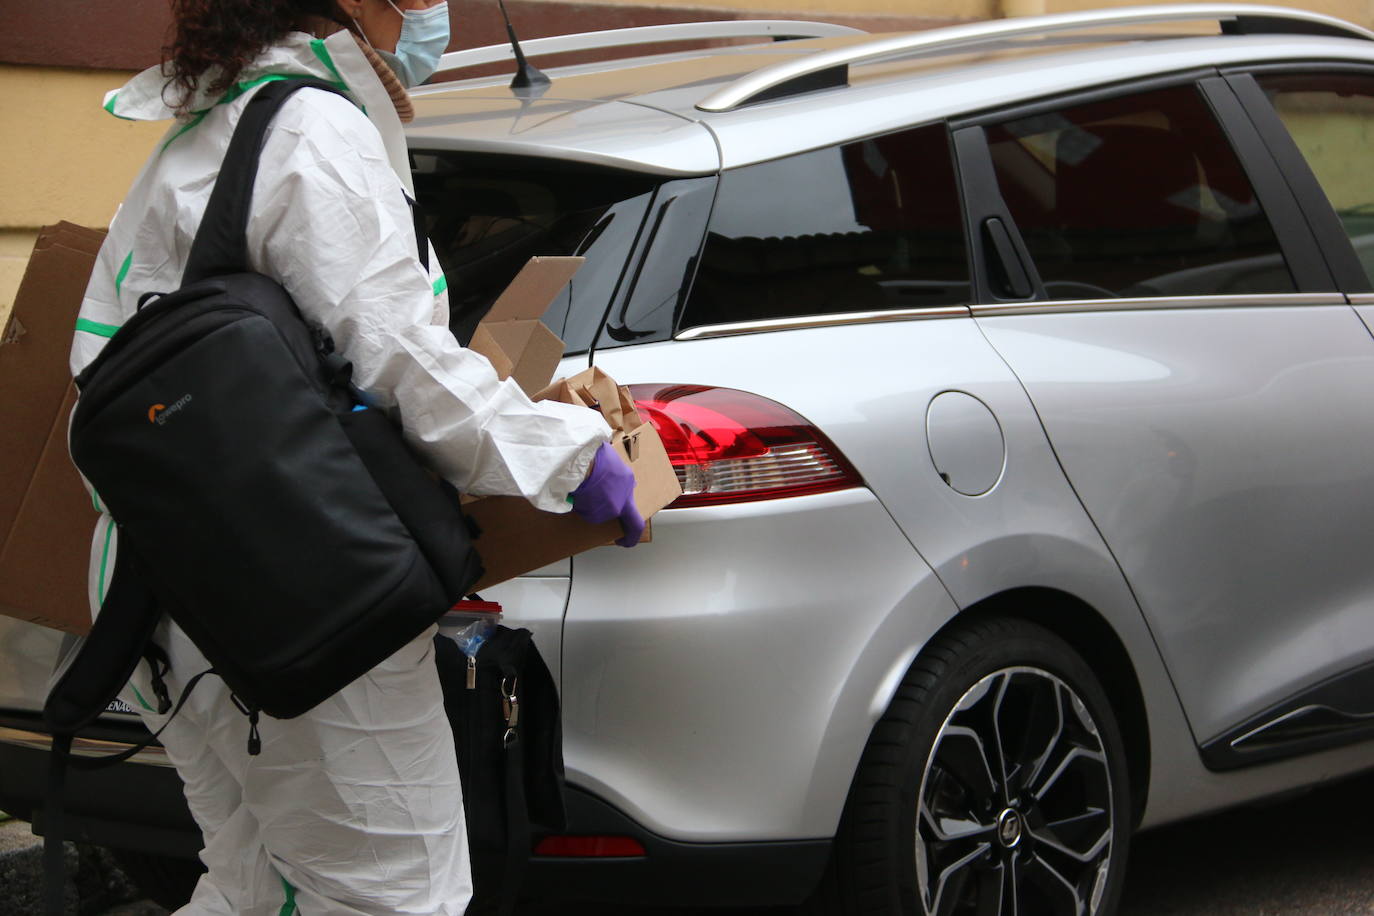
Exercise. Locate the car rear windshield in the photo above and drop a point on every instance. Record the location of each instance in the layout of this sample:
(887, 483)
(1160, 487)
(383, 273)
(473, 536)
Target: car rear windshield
(487, 215)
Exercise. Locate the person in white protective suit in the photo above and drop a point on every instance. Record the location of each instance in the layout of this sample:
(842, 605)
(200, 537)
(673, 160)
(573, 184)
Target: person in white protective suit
(354, 807)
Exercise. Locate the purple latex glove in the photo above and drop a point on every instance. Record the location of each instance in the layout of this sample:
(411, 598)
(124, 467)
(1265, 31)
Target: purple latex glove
(609, 492)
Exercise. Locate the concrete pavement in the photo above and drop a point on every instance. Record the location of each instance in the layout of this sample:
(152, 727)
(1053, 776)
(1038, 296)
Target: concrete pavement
(95, 883)
(1308, 855)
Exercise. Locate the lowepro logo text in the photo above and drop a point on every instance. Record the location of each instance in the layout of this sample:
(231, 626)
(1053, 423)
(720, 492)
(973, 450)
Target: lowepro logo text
(161, 413)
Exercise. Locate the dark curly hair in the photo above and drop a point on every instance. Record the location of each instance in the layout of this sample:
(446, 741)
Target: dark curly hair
(222, 36)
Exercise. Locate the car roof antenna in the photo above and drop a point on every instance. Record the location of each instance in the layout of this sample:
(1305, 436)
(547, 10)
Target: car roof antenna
(527, 75)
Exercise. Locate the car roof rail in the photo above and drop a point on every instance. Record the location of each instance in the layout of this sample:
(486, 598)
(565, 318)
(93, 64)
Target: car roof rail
(802, 72)
(776, 29)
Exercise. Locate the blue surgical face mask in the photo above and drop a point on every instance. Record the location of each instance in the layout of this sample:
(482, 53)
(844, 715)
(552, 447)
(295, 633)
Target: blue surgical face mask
(424, 37)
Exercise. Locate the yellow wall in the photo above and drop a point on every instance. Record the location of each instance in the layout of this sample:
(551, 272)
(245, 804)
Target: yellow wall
(65, 158)
(1336, 145)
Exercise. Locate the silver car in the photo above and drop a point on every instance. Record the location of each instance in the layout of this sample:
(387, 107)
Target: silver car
(1018, 376)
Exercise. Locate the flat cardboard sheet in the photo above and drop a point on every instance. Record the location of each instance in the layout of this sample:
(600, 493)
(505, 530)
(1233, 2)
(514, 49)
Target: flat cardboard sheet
(46, 516)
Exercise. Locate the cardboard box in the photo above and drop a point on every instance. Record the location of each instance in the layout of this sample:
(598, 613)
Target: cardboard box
(46, 516)
(516, 537)
(511, 335)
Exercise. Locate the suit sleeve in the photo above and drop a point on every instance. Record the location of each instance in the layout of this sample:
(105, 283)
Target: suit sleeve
(330, 223)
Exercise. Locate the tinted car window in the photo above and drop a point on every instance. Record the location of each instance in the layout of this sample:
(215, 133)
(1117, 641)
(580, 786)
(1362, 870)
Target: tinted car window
(1135, 196)
(1331, 118)
(656, 287)
(866, 226)
(488, 215)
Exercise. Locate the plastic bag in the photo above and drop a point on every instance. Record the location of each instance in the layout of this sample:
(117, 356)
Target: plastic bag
(469, 623)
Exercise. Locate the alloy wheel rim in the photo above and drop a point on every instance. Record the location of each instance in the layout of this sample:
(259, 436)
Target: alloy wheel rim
(1014, 815)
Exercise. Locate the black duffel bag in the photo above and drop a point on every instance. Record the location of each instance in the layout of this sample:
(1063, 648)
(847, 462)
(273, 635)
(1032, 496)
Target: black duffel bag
(504, 711)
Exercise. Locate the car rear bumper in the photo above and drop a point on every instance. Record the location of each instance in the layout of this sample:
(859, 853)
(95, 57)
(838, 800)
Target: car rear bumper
(129, 805)
(139, 806)
(720, 683)
(672, 872)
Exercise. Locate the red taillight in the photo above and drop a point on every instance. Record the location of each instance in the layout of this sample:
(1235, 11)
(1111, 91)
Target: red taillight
(731, 446)
(590, 847)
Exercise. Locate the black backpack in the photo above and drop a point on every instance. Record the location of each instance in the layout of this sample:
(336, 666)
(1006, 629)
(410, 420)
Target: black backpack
(281, 522)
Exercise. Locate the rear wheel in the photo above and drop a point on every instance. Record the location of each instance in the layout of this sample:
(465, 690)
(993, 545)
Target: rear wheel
(995, 785)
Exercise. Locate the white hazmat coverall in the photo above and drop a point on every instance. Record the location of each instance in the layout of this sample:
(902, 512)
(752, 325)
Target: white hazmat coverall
(354, 807)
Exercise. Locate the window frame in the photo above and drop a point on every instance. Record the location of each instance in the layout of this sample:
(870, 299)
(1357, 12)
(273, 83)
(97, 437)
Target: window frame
(691, 332)
(983, 200)
(691, 221)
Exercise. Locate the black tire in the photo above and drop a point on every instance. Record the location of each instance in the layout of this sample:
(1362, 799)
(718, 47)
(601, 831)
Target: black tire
(1065, 795)
(165, 880)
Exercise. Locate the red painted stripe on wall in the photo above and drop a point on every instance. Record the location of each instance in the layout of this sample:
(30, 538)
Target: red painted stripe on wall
(129, 34)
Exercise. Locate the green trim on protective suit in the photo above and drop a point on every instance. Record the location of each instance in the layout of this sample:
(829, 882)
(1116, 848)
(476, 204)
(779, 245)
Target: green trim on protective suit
(110, 106)
(95, 327)
(289, 906)
(234, 92)
(239, 89)
(104, 561)
(440, 284)
(123, 272)
(323, 54)
(325, 58)
(200, 116)
(138, 696)
(107, 330)
(145, 97)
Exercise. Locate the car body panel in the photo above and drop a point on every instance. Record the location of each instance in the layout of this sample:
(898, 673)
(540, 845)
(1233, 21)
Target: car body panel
(651, 133)
(605, 80)
(1029, 530)
(1179, 428)
(537, 601)
(714, 701)
(1366, 312)
(600, 133)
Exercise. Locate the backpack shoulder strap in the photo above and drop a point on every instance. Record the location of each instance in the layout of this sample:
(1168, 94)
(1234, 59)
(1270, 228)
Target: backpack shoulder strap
(221, 246)
(92, 671)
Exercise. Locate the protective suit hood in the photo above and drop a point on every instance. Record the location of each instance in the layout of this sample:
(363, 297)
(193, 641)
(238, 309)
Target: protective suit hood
(335, 60)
